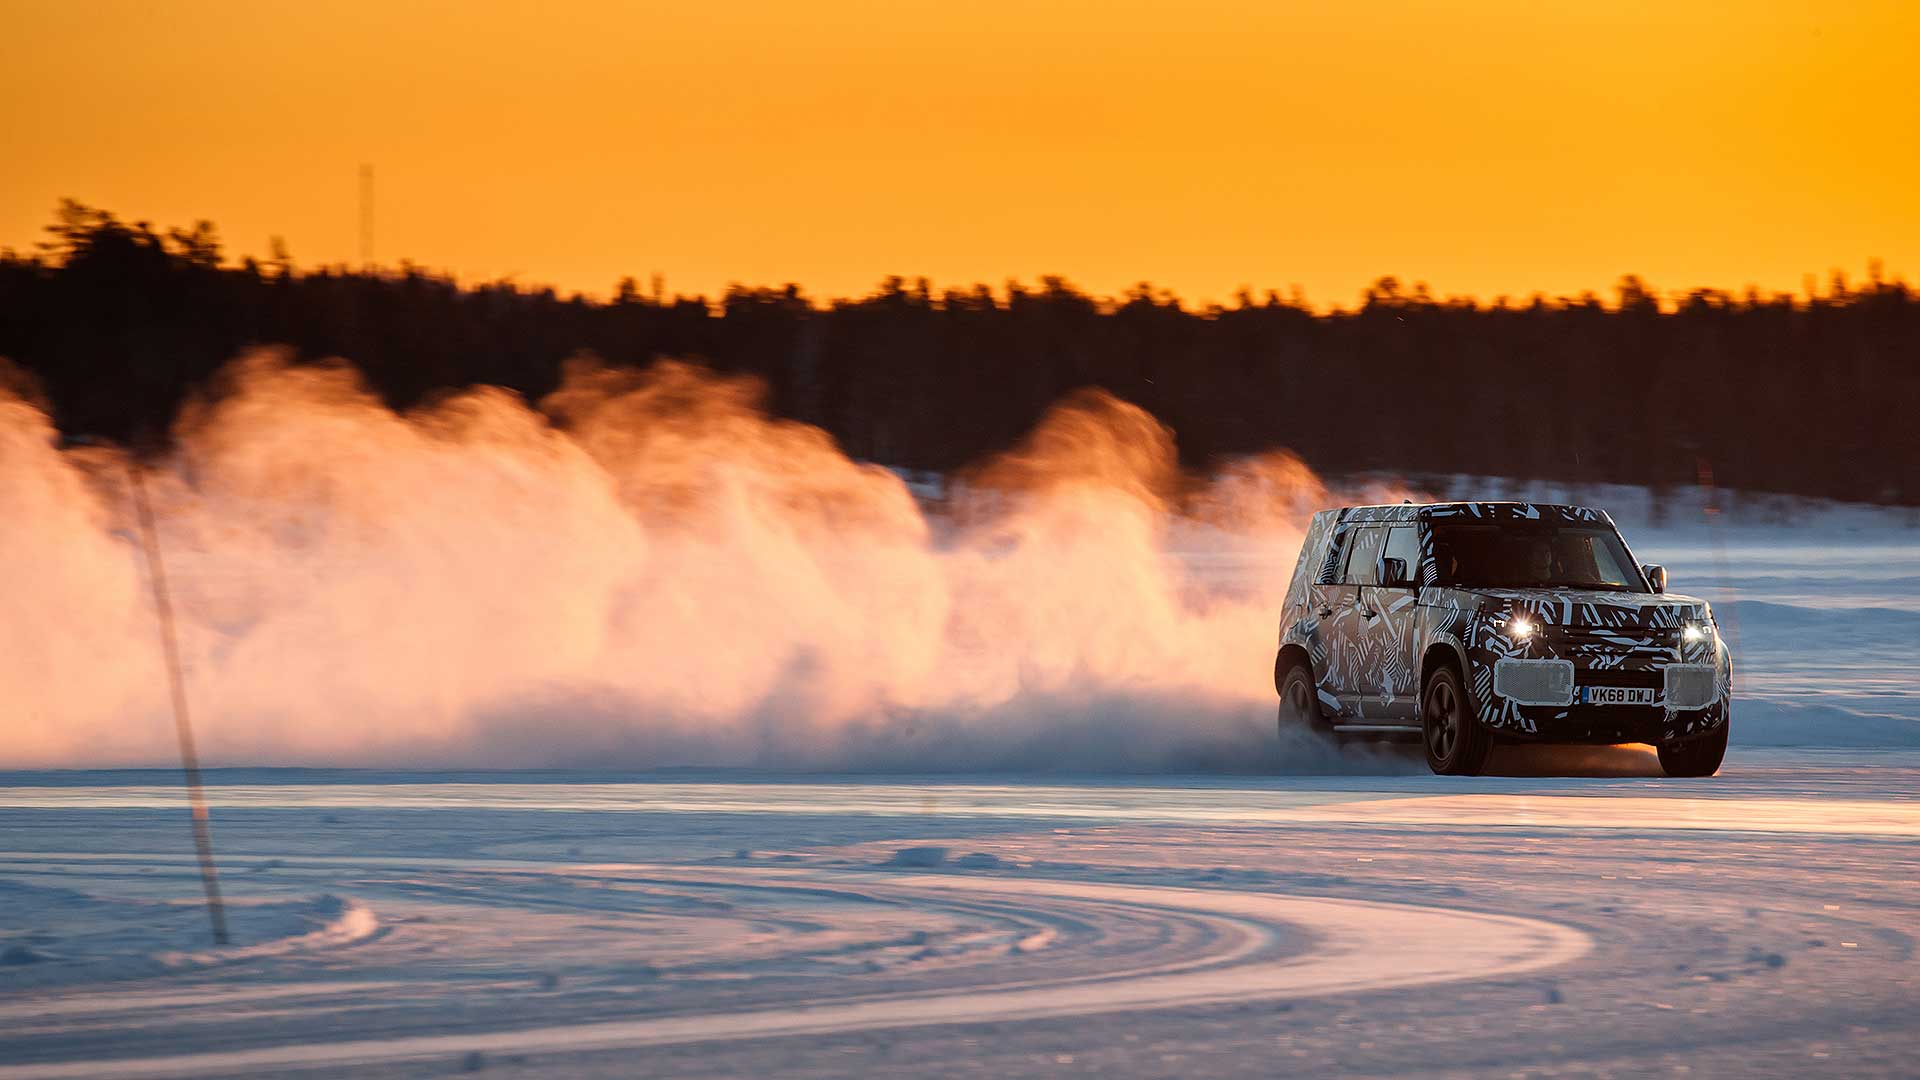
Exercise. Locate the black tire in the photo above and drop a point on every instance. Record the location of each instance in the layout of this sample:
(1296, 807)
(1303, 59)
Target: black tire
(1698, 756)
(1299, 699)
(1455, 741)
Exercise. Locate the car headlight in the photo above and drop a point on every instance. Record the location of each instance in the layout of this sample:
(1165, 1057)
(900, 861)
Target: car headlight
(1521, 627)
(1697, 631)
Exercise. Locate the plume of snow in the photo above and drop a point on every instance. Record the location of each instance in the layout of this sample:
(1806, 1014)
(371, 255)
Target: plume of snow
(643, 570)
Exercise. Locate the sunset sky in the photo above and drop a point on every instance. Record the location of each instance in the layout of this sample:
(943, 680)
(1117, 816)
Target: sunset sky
(1492, 148)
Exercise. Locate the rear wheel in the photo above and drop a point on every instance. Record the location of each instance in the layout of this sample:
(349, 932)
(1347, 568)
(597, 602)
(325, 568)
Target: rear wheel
(1298, 708)
(1698, 756)
(1456, 743)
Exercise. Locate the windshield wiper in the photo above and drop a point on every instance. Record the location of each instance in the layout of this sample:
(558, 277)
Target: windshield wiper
(1583, 586)
(1606, 586)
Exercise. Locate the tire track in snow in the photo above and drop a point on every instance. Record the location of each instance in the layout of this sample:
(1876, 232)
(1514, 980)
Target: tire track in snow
(1361, 946)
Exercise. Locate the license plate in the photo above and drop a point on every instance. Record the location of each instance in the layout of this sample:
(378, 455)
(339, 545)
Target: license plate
(1619, 695)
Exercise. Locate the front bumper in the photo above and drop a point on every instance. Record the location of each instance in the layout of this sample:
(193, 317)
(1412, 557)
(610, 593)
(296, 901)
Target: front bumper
(1546, 709)
(1610, 724)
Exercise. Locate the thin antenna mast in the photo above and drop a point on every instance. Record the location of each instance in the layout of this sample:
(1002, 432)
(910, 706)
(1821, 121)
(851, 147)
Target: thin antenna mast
(366, 217)
(182, 725)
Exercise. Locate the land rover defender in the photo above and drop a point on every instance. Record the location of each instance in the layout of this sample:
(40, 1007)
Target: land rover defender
(1469, 622)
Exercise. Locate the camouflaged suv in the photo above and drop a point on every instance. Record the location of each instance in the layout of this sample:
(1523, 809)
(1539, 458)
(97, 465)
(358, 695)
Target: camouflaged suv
(1470, 622)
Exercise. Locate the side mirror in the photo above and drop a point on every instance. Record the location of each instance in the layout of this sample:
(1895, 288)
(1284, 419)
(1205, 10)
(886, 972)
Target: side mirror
(1393, 572)
(1656, 576)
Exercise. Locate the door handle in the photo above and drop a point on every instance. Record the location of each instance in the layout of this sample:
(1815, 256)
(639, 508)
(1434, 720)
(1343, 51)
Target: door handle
(1325, 612)
(1360, 604)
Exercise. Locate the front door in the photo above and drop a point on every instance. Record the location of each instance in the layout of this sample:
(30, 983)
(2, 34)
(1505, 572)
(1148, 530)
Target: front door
(1388, 610)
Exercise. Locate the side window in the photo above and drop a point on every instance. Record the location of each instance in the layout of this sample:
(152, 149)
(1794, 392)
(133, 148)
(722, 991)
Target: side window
(1401, 544)
(1330, 571)
(1428, 572)
(1363, 556)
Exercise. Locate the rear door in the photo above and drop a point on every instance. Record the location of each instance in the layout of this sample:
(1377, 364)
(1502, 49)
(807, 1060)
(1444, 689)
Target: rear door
(1350, 652)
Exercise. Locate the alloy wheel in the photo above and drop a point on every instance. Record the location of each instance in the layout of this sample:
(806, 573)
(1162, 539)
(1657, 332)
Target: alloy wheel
(1442, 719)
(1296, 705)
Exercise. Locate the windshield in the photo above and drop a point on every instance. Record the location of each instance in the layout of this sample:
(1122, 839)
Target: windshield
(1533, 554)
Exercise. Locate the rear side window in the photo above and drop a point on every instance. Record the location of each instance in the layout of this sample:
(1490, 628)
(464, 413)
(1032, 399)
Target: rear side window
(1402, 544)
(1363, 556)
(1336, 560)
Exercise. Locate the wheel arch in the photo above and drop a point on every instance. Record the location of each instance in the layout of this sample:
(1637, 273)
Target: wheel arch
(1290, 654)
(1442, 651)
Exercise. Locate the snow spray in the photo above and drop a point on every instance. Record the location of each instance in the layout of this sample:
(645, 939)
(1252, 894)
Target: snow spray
(642, 569)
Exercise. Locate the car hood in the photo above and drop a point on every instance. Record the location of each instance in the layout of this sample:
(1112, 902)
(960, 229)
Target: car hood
(1581, 607)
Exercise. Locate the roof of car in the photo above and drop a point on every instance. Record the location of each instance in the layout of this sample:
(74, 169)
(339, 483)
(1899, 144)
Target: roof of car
(1489, 510)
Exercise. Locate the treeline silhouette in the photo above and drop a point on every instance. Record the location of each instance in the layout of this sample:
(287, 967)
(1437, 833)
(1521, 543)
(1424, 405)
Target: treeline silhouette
(1813, 394)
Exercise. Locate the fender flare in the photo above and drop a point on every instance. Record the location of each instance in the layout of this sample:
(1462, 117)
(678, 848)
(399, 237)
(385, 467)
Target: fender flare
(1453, 646)
(1293, 649)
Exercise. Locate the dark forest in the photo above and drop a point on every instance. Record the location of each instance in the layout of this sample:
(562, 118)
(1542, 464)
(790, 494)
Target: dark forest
(118, 323)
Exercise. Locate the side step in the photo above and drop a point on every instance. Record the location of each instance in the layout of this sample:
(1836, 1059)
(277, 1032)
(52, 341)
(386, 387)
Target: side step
(1377, 729)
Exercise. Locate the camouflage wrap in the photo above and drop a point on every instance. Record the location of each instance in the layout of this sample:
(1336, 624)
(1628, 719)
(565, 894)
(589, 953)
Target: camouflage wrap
(1371, 646)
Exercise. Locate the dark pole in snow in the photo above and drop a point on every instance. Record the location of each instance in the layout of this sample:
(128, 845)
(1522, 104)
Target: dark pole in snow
(189, 758)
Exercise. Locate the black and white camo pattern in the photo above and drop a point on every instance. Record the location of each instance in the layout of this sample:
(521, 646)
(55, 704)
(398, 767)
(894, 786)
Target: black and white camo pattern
(1370, 667)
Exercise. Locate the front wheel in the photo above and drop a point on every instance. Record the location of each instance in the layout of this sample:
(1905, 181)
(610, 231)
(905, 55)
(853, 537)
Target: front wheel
(1456, 742)
(1700, 756)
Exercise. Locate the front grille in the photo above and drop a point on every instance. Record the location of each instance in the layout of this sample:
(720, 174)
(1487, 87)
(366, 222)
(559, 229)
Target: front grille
(1637, 641)
(1597, 635)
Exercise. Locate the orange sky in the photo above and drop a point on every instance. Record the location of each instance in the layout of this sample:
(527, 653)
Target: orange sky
(1203, 145)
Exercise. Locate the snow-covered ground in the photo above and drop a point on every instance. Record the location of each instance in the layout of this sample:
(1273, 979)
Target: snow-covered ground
(724, 924)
